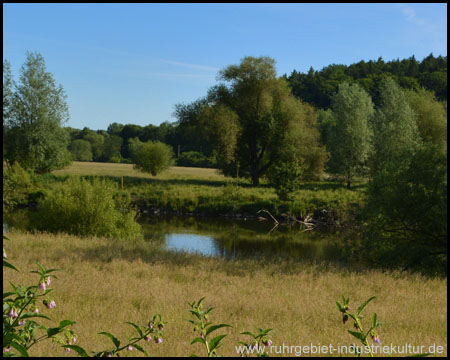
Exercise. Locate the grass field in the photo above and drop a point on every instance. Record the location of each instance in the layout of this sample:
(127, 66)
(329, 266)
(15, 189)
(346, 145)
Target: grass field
(117, 170)
(206, 191)
(104, 283)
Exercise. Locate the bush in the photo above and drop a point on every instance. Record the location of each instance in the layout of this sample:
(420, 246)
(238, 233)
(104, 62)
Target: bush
(151, 157)
(85, 208)
(195, 159)
(17, 184)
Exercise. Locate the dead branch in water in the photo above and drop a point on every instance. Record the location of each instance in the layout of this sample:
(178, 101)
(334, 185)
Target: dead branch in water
(275, 220)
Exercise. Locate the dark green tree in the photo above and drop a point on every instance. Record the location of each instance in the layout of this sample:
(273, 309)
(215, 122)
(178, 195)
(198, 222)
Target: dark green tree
(81, 150)
(253, 120)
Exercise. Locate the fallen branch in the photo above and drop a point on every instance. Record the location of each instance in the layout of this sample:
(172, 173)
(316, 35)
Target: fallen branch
(275, 220)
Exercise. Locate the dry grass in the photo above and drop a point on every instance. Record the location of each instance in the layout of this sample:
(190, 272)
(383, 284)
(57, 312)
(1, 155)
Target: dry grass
(112, 169)
(103, 284)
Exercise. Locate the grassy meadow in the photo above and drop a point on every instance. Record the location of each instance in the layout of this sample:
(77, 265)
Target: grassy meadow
(207, 192)
(104, 283)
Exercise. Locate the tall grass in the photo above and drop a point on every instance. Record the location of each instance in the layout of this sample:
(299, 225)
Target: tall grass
(104, 283)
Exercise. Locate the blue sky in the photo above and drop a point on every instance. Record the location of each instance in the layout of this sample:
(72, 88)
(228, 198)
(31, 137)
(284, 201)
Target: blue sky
(131, 63)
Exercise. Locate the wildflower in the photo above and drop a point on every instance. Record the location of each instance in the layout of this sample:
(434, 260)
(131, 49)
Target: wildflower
(109, 355)
(376, 339)
(67, 349)
(7, 349)
(147, 338)
(36, 310)
(49, 305)
(130, 348)
(150, 325)
(158, 340)
(22, 322)
(42, 286)
(13, 314)
(48, 281)
(267, 342)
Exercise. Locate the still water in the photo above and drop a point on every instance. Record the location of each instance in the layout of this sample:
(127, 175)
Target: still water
(232, 238)
(219, 237)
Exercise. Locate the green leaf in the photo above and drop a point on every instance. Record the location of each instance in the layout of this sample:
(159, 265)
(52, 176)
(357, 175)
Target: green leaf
(209, 310)
(248, 333)
(198, 339)
(51, 270)
(53, 331)
(8, 265)
(363, 305)
(214, 343)
(65, 323)
(28, 315)
(115, 340)
(19, 348)
(17, 289)
(141, 349)
(41, 267)
(215, 327)
(357, 335)
(195, 312)
(138, 329)
(80, 351)
(374, 320)
(340, 308)
(200, 301)
(5, 295)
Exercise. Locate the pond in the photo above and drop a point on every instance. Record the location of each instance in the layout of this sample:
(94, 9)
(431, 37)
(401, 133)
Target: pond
(233, 238)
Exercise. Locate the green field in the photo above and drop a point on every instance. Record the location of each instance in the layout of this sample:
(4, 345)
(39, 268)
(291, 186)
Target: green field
(207, 192)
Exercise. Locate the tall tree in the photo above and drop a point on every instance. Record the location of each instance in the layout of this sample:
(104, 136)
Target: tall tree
(396, 135)
(35, 137)
(351, 136)
(431, 115)
(254, 120)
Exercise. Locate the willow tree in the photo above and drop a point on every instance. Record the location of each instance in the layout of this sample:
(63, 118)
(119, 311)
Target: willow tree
(351, 137)
(396, 134)
(255, 122)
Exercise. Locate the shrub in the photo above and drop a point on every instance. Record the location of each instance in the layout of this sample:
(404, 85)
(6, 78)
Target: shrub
(195, 159)
(151, 157)
(17, 184)
(84, 208)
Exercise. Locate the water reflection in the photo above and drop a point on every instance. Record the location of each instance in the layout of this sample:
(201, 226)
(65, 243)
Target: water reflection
(237, 238)
(231, 238)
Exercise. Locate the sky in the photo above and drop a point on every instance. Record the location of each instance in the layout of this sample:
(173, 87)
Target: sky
(131, 63)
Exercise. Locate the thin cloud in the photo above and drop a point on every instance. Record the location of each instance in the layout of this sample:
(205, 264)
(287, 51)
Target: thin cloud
(191, 66)
(412, 17)
(164, 74)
